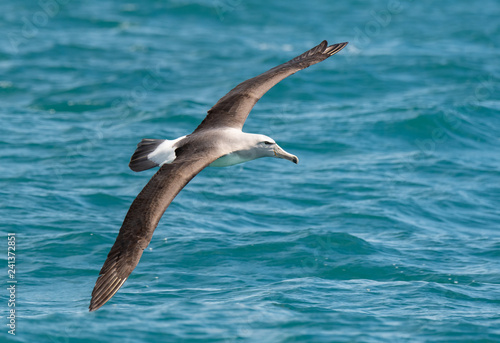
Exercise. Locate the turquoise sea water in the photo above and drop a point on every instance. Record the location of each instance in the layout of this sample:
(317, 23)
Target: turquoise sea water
(386, 231)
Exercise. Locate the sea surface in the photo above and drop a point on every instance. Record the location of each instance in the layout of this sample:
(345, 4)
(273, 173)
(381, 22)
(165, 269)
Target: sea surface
(388, 229)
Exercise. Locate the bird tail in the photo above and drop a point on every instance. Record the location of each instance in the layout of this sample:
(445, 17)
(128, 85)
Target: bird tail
(139, 160)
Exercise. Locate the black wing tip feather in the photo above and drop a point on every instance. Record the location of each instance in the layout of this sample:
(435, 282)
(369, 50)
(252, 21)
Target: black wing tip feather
(106, 287)
(319, 53)
(108, 282)
(333, 49)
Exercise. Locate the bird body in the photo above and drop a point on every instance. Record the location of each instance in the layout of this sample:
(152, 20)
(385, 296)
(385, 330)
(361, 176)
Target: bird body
(218, 142)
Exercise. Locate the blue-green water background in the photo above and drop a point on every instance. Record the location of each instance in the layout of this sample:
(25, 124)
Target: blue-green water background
(386, 231)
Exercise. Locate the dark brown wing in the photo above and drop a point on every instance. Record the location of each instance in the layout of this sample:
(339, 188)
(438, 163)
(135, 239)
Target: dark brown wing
(141, 221)
(232, 109)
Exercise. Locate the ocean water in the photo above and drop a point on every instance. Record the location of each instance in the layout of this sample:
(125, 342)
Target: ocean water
(386, 231)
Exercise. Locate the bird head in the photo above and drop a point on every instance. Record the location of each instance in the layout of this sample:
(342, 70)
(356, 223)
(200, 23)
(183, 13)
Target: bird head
(270, 148)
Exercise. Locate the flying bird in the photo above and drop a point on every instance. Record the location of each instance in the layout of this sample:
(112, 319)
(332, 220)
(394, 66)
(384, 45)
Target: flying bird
(217, 141)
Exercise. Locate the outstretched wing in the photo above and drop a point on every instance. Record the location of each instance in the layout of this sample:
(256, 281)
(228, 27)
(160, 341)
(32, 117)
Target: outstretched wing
(233, 108)
(141, 221)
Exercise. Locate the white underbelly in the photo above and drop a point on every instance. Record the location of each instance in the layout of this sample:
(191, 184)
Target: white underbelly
(229, 160)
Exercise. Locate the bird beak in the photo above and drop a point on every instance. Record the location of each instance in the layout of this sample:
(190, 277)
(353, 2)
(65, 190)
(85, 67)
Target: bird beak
(280, 153)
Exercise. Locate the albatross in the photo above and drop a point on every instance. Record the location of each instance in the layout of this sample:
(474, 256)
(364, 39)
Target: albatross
(217, 141)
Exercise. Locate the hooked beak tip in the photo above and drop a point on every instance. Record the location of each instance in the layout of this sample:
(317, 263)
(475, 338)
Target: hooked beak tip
(280, 153)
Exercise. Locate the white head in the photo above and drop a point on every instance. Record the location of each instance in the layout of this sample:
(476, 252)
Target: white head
(249, 146)
(264, 146)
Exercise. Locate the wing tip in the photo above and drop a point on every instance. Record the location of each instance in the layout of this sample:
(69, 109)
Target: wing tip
(333, 49)
(104, 290)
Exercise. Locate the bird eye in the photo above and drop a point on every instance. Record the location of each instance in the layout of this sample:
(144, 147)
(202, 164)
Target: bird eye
(268, 143)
